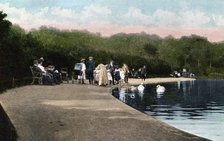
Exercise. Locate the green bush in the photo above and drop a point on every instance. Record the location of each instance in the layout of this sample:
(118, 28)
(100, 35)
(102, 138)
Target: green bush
(216, 75)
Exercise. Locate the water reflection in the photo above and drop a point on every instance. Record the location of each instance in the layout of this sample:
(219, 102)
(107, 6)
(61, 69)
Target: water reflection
(194, 106)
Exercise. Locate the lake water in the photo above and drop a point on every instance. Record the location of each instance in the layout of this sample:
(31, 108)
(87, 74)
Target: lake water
(196, 106)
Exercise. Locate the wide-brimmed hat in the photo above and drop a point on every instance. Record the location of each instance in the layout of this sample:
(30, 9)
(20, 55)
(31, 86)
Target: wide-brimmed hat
(41, 58)
(90, 57)
(83, 59)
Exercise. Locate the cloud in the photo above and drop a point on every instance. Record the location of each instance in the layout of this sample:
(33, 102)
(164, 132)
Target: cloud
(22, 16)
(195, 18)
(165, 18)
(97, 18)
(62, 12)
(219, 20)
(93, 10)
(136, 14)
(52, 15)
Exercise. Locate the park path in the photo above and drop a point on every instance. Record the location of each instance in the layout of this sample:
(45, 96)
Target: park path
(73, 112)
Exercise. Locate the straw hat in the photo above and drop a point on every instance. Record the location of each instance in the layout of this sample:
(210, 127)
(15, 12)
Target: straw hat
(41, 58)
(83, 59)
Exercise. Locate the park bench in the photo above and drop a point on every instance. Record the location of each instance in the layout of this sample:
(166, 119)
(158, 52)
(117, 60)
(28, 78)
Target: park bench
(36, 75)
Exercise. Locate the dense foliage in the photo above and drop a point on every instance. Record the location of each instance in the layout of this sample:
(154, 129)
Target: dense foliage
(19, 48)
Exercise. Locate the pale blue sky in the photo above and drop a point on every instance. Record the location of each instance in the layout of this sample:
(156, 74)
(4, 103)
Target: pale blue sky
(162, 17)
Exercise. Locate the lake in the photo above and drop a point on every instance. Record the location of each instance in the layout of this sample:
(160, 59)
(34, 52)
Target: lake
(195, 106)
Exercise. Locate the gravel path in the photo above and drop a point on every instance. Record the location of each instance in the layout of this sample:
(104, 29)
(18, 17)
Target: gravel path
(73, 112)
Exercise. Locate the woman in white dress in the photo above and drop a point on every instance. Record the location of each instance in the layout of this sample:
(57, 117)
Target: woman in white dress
(82, 76)
(102, 75)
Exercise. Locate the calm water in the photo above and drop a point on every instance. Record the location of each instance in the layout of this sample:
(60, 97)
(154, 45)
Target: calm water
(196, 106)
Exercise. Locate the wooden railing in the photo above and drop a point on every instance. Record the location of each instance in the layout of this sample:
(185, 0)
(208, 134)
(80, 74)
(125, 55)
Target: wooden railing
(14, 82)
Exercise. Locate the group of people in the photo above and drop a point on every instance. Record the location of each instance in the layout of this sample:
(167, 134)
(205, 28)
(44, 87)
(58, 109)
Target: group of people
(140, 73)
(102, 74)
(182, 73)
(50, 74)
(107, 74)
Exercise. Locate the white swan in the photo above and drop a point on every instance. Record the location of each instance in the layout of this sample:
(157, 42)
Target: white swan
(160, 89)
(133, 88)
(141, 88)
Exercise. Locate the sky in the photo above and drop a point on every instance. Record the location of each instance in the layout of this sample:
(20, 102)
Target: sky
(107, 17)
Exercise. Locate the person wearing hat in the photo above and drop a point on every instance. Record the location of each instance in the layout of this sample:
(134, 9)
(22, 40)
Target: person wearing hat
(102, 75)
(50, 71)
(111, 68)
(143, 73)
(41, 58)
(126, 72)
(47, 77)
(40, 65)
(82, 75)
(90, 67)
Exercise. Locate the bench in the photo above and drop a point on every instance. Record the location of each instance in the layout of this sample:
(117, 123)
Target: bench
(64, 74)
(36, 75)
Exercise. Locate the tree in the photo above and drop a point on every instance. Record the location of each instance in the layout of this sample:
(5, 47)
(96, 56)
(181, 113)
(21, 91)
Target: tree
(4, 29)
(4, 25)
(171, 52)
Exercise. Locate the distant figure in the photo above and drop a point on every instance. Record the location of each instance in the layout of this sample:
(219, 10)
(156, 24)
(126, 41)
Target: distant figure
(110, 79)
(82, 75)
(139, 73)
(126, 72)
(117, 76)
(47, 77)
(192, 75)
(160, 89)
(132, 73)
(111, 68)
(50, 70)
(143, 73)
(96, 75)
(90, 66)
(122, 75)
(40, 65)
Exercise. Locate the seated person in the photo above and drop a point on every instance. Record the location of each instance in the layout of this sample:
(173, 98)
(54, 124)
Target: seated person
(50, 70)
(56, 75)
(47, 77)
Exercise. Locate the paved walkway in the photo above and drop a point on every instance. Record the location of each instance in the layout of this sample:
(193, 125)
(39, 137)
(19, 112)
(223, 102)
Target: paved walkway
(73, 112)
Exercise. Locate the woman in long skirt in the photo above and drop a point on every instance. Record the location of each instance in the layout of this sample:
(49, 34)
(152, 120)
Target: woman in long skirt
(102, 75)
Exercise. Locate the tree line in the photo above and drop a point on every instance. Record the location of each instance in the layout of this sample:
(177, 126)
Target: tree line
(64, 48)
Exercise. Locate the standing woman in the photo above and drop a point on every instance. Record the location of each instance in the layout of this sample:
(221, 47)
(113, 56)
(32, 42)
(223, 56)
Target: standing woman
(112, 70)
(126, 72)
(102, 75)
